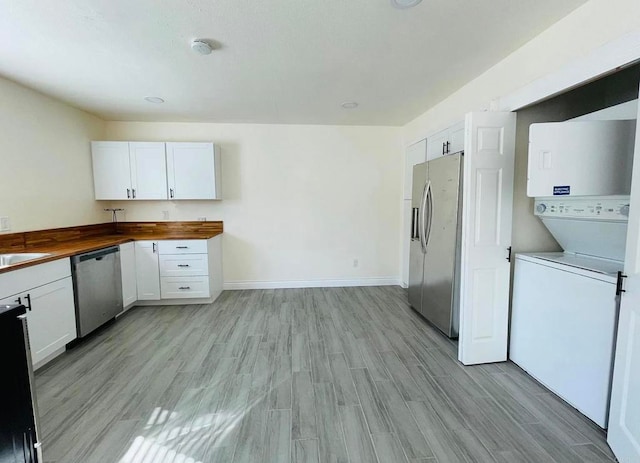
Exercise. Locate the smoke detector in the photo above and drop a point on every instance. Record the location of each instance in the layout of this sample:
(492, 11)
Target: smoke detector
(202, 47)
(404, 4)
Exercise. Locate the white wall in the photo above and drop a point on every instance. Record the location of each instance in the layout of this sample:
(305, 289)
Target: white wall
(592, 25)
(45, 161)
(300, 203)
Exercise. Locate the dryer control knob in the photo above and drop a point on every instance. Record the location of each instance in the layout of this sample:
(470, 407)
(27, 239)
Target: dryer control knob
(541, 208)
(624, 210)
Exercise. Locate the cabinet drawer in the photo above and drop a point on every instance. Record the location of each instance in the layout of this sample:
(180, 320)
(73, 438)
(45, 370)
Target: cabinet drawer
(23, 279)
(182, 247)
(184, 287)
(175, 265)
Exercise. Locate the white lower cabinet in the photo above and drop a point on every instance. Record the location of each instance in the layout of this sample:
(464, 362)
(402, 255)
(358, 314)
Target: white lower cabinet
(178, 269)
(128, 273)
(46, 291)
(147, 270)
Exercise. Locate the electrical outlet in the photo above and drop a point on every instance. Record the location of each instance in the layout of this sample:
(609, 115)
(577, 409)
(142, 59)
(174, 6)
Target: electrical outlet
(5, 224)
(355, 262)
(165, 215)
(202, 219)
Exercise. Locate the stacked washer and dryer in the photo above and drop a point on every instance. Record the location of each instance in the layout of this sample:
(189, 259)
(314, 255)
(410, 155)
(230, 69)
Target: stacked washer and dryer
(565, 304)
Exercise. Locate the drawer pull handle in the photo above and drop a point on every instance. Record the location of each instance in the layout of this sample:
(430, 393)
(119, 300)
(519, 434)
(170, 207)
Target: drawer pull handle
(184, 287)
(183, 265)
(182, 247)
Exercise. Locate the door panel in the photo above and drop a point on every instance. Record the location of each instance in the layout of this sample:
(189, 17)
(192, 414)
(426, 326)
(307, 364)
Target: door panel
(148, 170)
(147, 271)
(624, 412)
(51, 320)
(111, 171)
(440, 259)
(486, 236)
(191, 168)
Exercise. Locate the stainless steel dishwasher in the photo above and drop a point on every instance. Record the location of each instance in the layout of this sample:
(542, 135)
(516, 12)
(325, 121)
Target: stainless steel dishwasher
(97, 288)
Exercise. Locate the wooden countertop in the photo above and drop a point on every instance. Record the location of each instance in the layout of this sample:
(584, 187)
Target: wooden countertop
(66, 242)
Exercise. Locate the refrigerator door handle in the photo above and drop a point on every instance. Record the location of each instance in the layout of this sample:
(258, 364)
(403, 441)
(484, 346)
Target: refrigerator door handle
(428, 201)
(423, 223)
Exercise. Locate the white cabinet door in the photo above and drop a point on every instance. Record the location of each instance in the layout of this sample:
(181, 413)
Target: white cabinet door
(624, 413)
(128, 272)
(436, 144)
(148, 170)
(111, 171)
(486, 236)
(193, 171)
(51, 318)
(456, 138)
(147, 270)
(415, 154)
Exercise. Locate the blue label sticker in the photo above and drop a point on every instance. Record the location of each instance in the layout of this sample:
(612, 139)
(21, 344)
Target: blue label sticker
(561, 190)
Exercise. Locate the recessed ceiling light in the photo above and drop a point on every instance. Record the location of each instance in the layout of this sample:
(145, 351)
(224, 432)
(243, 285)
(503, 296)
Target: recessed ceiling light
(404, 4)
(154, 99)
(349, 105)
(202, 47)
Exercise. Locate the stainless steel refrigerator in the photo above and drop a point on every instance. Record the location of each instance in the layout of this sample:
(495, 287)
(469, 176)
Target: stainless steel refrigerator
(434, 268)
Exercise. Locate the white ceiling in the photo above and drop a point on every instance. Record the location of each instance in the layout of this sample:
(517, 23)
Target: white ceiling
(279, 61)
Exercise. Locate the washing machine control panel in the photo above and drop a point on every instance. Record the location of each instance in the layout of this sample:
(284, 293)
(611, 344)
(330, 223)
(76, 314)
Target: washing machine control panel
(594, 207)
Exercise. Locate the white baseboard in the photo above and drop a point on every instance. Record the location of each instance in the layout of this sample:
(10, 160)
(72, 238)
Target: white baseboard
(256, 284)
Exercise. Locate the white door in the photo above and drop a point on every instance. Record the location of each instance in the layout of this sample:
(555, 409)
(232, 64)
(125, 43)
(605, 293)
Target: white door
(128, 273)
(111, 171)
(148, 170)
(192, 171)
(147, 270)
(624, 412)
(486, 236)
(52, 318)
(436, 144)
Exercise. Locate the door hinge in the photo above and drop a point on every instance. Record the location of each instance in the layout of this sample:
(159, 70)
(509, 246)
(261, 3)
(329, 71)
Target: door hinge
(620, 284)
(509, 254)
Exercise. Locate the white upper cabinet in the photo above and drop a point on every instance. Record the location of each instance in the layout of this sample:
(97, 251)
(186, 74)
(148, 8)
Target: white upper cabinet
(456, 138)
(437, 145)
(193, 171)
(129, 170)
(448, 141)
(148, 170)
(415, 154)
(155, 170)
(111, 169)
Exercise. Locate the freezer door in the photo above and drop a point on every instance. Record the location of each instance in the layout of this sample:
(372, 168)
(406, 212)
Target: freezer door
(416, 247)
(441, 258)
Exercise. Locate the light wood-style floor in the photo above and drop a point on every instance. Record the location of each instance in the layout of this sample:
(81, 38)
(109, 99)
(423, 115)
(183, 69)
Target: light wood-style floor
(304, 375)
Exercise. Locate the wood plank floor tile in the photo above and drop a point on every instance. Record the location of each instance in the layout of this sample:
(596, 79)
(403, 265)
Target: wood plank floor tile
(313, 375)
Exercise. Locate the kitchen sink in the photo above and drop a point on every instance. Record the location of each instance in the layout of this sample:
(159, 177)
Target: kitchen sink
(9, 259)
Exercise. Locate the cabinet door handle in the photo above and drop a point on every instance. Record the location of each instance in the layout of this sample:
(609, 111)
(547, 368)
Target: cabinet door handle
(171, 192)
(184, 287)
(154, 247)
(28, 298)
(183, 265)
(133, 192)
(444, 147)
(18, 301)
(128, 193)
(448, 147)
(182, 247)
